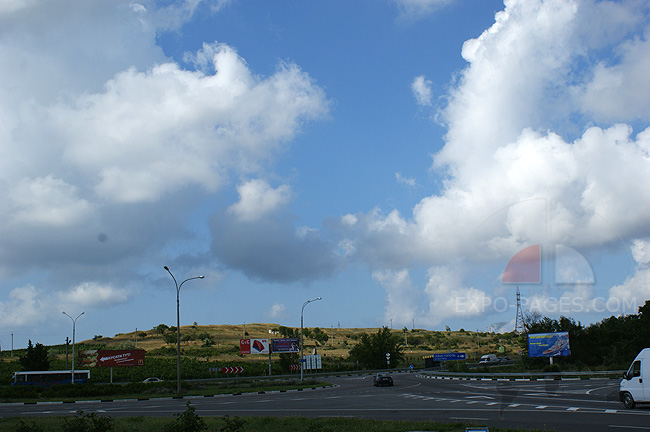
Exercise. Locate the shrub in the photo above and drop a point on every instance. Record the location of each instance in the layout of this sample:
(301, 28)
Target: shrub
(234, 424)
(24, 427)
(187, 421)
(88, 423)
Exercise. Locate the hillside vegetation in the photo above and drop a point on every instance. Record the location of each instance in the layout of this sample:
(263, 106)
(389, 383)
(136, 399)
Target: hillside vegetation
(225, 341)
(206, 347)
(221, 342)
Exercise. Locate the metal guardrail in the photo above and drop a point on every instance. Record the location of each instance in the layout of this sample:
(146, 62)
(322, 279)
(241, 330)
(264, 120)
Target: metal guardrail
(486, 375)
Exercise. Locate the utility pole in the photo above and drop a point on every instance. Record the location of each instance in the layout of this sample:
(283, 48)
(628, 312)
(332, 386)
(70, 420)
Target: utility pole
(67, 342)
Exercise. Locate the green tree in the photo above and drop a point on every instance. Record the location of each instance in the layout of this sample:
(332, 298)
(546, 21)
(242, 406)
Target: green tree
(35, 359)
(320, 336)
(371, 350)
(169, 338)
(161, 328)
(288, 359)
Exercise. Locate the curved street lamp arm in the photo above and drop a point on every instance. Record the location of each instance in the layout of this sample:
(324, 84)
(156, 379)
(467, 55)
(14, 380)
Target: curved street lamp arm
(172, 275)
(189, 279)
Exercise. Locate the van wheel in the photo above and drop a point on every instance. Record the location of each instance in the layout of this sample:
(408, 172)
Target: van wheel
(628, 400)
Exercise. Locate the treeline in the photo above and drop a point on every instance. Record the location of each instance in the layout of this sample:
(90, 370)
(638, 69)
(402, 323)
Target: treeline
(611, 343)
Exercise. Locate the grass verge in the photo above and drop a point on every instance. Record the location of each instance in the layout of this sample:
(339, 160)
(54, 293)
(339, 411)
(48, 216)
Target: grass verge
(251, 424)
(70, 393)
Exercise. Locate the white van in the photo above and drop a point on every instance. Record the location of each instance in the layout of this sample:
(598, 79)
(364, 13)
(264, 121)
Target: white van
(488, 359)
(635, 385)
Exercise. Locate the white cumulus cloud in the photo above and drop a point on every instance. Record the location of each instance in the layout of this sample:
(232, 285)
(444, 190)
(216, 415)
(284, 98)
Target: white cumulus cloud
(91, 294)
(421, 88)
(257, 199)
(414, 9)
(277, 312)
(538, 150)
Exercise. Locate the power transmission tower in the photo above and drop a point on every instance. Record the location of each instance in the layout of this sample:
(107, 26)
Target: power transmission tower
(519, 320)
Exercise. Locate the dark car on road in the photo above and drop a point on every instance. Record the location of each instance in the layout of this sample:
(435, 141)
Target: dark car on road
(382, 379)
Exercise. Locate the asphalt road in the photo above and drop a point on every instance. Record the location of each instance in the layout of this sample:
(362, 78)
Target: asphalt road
(568, 405)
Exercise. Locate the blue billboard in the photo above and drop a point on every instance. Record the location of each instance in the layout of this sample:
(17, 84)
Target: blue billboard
(288, 345)
(449, 356)
(549, 344)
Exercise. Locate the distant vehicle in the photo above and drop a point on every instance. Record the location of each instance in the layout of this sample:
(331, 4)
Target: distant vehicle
(492, 359)
(382, 379)
(152, 380)
(488, 359)
(635, 385)
(48, 378)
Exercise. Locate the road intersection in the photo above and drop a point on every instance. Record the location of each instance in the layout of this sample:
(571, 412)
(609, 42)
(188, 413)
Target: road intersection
(563, 405)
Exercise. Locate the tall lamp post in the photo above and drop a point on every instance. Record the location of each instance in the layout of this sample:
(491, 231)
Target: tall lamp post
(74, 324)
(178, 327)
(302, 357)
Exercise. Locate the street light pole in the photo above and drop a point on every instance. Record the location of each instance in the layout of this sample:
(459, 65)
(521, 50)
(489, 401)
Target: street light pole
(178, 327)
(302, 357)
(74, 324)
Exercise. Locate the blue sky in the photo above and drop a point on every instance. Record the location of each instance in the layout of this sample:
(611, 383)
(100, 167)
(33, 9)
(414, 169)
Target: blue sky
(392, 157)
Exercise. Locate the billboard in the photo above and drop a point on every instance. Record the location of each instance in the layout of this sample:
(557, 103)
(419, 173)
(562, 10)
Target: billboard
(111, 358)
(449, 356)
(288, 345)
(254, 346)
(549, 344)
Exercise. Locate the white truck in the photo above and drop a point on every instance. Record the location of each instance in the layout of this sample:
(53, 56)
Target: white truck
(635, 385)
(488, 359)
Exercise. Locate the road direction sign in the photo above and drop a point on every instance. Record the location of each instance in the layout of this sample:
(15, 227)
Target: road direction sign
(232, 369)
(449, 356)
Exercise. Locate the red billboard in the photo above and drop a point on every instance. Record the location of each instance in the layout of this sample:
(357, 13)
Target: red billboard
(111, 358)
(253, 346)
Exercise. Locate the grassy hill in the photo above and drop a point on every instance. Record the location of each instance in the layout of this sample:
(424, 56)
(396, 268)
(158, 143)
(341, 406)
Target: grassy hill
(200, 358)
(418, 342)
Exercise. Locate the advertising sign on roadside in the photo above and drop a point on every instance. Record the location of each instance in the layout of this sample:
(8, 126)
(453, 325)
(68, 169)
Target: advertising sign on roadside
(549, 344)
(111, 358)
(254, 346)
(288, 345)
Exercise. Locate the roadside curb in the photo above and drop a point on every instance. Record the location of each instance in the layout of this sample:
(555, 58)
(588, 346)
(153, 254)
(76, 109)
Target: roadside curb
(189, 397)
